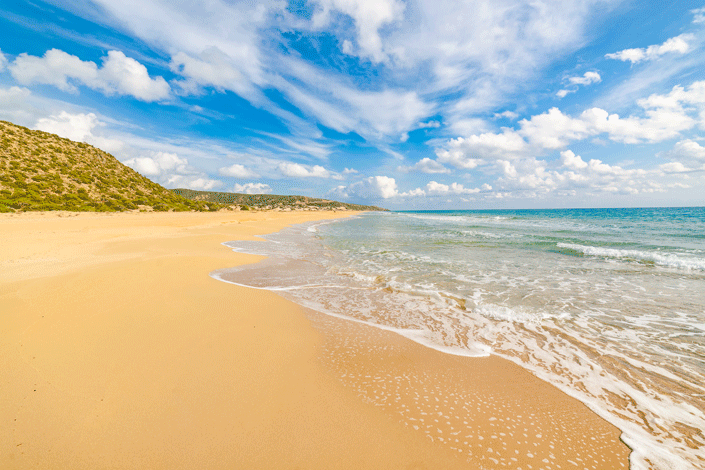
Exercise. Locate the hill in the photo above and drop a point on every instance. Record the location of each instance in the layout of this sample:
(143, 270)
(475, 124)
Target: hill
(271, 201)
(42, 171)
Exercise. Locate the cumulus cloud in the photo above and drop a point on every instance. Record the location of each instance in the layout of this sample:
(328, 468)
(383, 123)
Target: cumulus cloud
(434, 188)
(588, 78)
(374, 187)
(425, 165)
(564, 93)
(79, 128)
(252, 188)
(198, 183)
(3, 61)
(686, 155)
(119, 75)
(678, 44)
(572, 161)
(158, 164)
(469, 152)
(297, 170)
(531, 178)
(664, 117)
(172, 171)
(554, 130)
(237, 171)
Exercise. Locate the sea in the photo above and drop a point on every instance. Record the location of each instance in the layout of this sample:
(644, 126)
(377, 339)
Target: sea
(606, 304)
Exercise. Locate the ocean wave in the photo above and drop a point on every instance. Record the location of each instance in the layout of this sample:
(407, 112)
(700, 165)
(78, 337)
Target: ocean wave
(670, 260)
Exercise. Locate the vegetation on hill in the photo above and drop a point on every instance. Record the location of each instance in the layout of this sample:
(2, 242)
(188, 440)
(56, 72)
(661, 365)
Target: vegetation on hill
(270, 201)
(42, 171)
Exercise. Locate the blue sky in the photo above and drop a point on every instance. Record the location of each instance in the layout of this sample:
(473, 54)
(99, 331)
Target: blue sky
(406, 104)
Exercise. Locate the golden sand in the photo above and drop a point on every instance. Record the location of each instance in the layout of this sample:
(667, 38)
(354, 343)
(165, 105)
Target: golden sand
(117, 350)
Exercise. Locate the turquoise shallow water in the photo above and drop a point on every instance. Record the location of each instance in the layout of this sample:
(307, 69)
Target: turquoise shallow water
(607, 304)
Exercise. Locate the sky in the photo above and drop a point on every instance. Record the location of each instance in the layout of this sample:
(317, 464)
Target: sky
(481, 104)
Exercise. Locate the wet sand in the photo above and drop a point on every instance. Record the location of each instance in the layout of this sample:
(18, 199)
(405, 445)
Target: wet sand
(117, 350)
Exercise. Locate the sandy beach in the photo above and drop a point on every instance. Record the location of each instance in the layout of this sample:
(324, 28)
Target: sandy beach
(118, 351)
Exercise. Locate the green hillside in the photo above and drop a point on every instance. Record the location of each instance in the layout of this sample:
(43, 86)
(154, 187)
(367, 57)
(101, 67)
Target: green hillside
(41, 172)
(271, 201)
(44, 172)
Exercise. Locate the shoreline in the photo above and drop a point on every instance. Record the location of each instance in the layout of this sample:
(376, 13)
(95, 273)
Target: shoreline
(156, 366)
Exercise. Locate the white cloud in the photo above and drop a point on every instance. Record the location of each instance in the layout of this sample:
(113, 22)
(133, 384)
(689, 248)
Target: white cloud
(664, 117)
(171, 170)
(375, 115)
(368, 15)
(304, 146)
(425, 165)
(678, 44)
(686, 150)
(237, 171)
(252, 188)
(198, 183)
(14, 105)
(55, 68)
(469, 152)
(297, 170)
(79, 128)
(374, 187)
(554, 130)
(119, 74)
(531, 178)
(3, 61)
(434, 188)
(588, 78)
(686, 155)
(429, 125)
(698, 15)
(211, 67)
(511, 115)
(195, 27)
(123, 75)
(347, 47)
(572, 161)
(158, 164)
(674, 167)
(478, 52)
(349, 171)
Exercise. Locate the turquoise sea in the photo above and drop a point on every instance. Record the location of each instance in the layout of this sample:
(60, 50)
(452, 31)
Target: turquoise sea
(607, 304)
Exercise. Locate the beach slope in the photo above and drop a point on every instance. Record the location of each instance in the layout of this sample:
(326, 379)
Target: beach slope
(117, 350)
